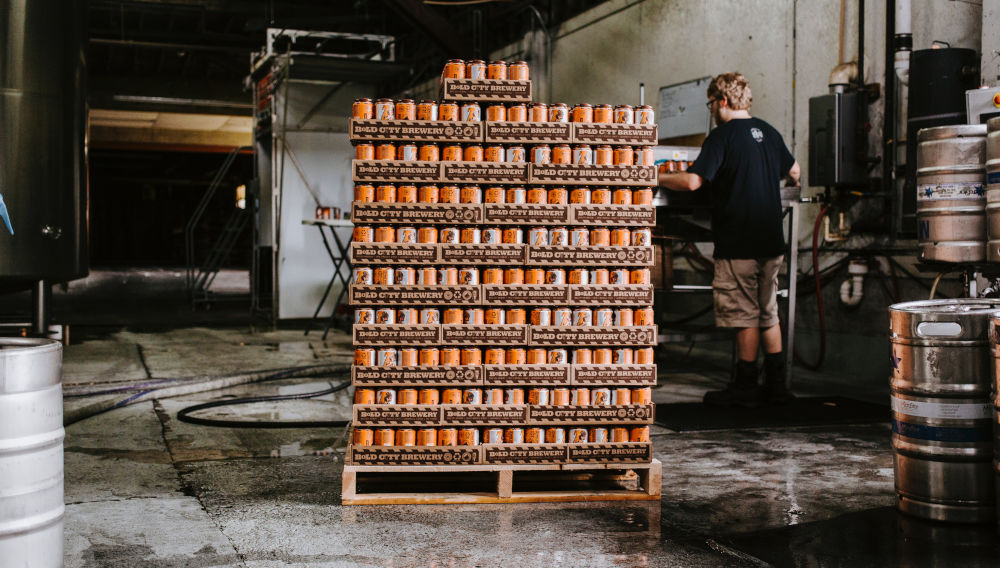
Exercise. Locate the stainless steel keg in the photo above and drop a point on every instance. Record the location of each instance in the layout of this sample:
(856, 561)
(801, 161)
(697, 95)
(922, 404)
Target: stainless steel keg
(31, 453)
(940, 387)
(993, 189)
(951, 200)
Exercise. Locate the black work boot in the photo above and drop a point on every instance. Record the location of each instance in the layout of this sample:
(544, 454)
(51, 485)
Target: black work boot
(775, 391)
(743, 391)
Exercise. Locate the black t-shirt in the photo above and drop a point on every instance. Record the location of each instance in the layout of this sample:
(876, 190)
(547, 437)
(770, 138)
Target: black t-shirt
(743, 162)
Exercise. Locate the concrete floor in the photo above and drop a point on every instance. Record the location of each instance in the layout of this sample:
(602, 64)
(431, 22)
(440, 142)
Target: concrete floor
(144, 489)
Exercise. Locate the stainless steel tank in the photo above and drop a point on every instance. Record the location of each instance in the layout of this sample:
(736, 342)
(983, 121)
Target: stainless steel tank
(31, 453)
(993, 189)
(940, 388)
(951, 199)
(43, 173)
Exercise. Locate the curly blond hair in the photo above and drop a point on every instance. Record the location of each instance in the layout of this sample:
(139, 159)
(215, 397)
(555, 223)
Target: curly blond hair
(734, 87)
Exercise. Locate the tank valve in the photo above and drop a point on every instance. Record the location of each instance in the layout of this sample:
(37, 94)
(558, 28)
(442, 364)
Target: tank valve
(852, 289)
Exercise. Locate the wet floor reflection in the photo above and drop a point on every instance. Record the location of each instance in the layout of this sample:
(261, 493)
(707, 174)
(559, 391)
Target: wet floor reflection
(875, 537)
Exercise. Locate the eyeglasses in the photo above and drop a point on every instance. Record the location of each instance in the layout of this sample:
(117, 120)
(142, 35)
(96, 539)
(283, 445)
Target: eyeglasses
(710, 101)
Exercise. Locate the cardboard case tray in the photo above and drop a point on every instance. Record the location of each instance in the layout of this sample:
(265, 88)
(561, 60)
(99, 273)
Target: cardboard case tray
(502, 295)
(509, 335)
(502, 454)
(500, 255)
(525, 376)
(488, 415)
(503, 214)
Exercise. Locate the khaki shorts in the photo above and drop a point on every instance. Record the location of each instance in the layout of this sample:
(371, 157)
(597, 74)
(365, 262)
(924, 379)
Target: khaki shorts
(744, 291)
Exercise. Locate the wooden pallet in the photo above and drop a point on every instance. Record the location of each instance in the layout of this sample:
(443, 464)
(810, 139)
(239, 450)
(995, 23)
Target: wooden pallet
(548, 483)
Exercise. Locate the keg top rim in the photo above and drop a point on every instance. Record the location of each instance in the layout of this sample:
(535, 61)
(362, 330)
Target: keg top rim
(17, 344)
(984, 306)
(950, 131)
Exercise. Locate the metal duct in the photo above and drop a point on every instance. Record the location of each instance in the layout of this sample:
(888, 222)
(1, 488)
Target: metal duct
(43, 165)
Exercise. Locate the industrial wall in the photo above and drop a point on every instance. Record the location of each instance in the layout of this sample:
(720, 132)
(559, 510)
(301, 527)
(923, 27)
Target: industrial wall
(787, 49)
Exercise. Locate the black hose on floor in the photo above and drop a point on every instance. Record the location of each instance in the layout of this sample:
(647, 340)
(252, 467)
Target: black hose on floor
(184, 415)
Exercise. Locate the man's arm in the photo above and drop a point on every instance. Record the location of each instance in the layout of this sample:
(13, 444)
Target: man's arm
(681, 181)
(792, 179)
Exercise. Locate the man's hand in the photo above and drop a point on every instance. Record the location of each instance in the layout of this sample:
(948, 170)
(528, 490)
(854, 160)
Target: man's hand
(680, 181)
(792, 179)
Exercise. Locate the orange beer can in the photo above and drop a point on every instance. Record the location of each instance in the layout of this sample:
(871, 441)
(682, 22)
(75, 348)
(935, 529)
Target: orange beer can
(536, 356)
(621, 237)
(515, 316)
(534, 276)
(408, 357)
(364, 193)
(429, 153)
(385, 234)
(513, 275)
(451, 356)
(406, 194)
(470, 235)
(623, 317)
(582, 112)
(364, 396)
(496, 70)
(364, 356)
(447, 276)
(518, 71)
(454, 69)
(471, 194)
(600, 196)
(512, 235)
(603, 114)
(492, 276)
(515, 356)
(600, 236)
(447, 437)
(583, 356)
(624, 114)
(494, 316)
(639, 276)
(449, 111)
(406, 396)
(513, 395)
(472, 356)
(494, 153)
(362, 234)
(619, 435)
(468, 436)
(493, 396)
(623, 156)
(427, 437)
(555, 436)
(471, 112)
(385, 437)
(496, 112)
(427, 235)
(385, 109)
(644, 356)
(475, 69)
(602, 356)
(644, 316)
(406, 109)
(385, 151)
(452, 316)
(517, 113)
(451, 396)
(429, 396)
(452, 153)
(449, 194)
(580, 195)
(534, 435)
(604, 155)
(644, 157)
(558, 196)
(473, 153)
(539, 112)
(405, 235)
(639, 434)
(642, 395)
(495, 356)
(430, 356)
(363, 437)
(558, 112)
(362, 109)
(599, 275)
(537, 195)
(562, 154)
(406, 437)
(364, 151)
(427, 110)
(642, 196)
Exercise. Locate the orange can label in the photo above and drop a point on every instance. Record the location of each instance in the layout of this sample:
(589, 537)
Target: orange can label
(492, 276)
(452, 153)
(447, 437)
(451, 356)
(494, 316)
(495, 357)
(427, 437)
(362, 109)
(364, 193)
(562, 154)
(516, 316)
(604, 156)
(513, 276)
(408, 357)
(496, 113)
(452, 315)
(536, 357)
(558, 196)
(406, 396)
(451, 396)
(427, 110)
(539, 112)
(428, 194)
(406, 194)
(603, 114)
(600, 196)
(473, 153)
(494, 154)
(579, 196)
(471, 194)
(582, 113)
(429, 396)
(537, 195)
(385, 235)
(430, 356)
(429, 153)
(534, 276)
(623, 156)
(534, 436)
(639, 434)
(362, 234)
(449, 112)
(406, 437)
(364, 396)
(518, 71)
(364, 151)
(385, 151)
(644, 356)
(472, 356)
(602, 356)
(406, 110)
(644, 316)
(449, 194)
(517, 113)
(496, 70)
(427, 235)
(495, 194)
(363, 437)
(639, 276)
(642, 197)
(454, 69)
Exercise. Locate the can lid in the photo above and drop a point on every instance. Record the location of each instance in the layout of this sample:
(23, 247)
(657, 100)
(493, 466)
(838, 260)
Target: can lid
(404, 101)
(584, 105)
(498, 62)
(456, 61)
(384, 100)
(362, 100)
(426, 101)
(471, 61)
(623, 106)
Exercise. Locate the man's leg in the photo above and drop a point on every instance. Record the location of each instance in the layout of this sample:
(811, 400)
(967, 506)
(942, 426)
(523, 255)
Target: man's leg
(735, 293)
(775, 369)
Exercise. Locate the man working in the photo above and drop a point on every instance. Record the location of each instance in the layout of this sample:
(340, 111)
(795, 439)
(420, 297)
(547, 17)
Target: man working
(742, 161)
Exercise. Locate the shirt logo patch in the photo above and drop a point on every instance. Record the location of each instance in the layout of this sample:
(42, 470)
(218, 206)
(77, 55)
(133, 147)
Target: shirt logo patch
(757, 134)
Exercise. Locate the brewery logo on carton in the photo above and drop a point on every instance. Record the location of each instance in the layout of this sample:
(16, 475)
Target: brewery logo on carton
(528, 375)
(395, 170)
(631, 375)
(603, 295)
(505, 254)
(592, 335)
(395, 414)
(524, 294)
(413, 455)
(486, 90)
(627, 134)
(416, 130)
(382, 334)
(425, 213)
(386, 295)
(484, 172)
(592, 174)
(454, 334)
(486, 415)
(416, 376)
(393, 253)
(616, 215)
(637, 452)
(526, 213)
(528, 132)
(590, 255)
(629, 414)
(529, 453)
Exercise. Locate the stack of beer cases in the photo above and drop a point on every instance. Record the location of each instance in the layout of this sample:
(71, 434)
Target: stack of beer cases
(501, 281)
